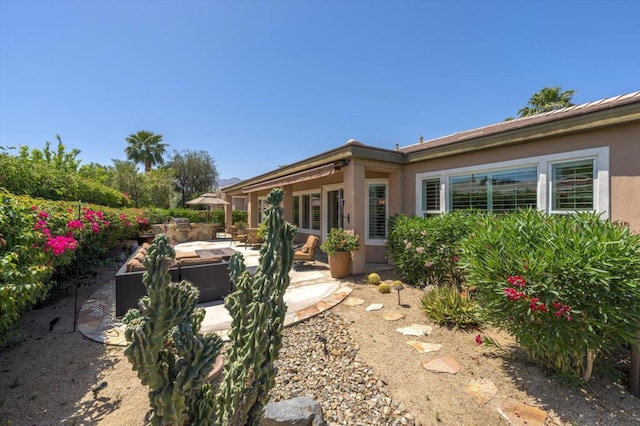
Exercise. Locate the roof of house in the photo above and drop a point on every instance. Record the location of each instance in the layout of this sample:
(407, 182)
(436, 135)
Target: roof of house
(575, 118)
(527, 122)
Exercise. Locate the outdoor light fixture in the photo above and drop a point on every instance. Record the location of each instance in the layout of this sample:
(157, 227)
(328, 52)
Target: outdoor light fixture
(398, 287)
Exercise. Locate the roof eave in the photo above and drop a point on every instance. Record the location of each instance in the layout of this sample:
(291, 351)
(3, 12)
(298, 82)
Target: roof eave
(601, 119)
(348, 151)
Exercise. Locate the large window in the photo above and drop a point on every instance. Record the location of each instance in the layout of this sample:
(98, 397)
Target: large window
(572, 186)
(306, 211)
(498, 192)
(377, 211)
(557, 183)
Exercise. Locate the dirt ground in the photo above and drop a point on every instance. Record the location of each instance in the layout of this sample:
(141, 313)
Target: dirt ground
(46, 378)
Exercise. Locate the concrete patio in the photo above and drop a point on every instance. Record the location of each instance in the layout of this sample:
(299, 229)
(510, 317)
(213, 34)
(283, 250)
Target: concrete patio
(312, 290)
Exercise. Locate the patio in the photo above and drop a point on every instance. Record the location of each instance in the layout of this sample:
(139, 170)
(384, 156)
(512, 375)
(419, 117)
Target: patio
(311, 290)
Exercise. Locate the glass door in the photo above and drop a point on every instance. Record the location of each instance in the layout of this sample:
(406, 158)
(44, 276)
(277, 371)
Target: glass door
(335, 205)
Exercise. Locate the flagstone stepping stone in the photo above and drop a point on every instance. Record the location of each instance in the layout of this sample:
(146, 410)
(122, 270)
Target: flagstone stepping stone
(354, 301)
(423, 347)
(482, 390)
(445, 364)
(522, 414)
(393, 316)
(415, 330)
(374, 307)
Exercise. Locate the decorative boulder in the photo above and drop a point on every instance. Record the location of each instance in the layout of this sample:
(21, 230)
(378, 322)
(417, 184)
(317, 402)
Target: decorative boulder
(300, 411)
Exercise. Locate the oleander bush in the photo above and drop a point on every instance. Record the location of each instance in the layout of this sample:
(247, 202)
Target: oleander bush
(567, 287)
(426, 250)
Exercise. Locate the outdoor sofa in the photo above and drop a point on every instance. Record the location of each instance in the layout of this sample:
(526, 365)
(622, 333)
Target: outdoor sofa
(209, 274)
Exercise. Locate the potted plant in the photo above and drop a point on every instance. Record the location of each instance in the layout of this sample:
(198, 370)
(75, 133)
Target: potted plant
(338, 245)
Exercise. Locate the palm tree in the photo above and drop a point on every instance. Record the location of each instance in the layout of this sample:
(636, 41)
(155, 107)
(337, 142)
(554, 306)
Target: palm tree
(547, 99)
(145, 147)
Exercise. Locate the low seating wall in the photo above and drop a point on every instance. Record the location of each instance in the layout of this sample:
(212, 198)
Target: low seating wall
(210, 275)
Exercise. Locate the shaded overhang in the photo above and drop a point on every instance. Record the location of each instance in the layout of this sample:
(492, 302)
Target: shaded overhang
(315, 173)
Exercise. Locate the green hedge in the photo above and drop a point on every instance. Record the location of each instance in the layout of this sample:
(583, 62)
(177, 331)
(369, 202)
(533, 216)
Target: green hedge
(39, 179)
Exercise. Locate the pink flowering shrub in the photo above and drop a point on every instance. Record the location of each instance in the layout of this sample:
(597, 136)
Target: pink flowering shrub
(566, 287)
(427, 250)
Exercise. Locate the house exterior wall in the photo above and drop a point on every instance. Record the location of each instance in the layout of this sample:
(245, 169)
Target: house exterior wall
(624, 166)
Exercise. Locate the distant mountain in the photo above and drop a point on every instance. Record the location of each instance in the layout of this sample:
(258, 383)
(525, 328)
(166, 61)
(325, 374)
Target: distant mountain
(226, 182)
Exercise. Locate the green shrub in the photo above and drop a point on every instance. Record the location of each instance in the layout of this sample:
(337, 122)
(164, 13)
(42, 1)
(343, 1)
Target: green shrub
(566, 287)
(384, 288)
(426, 250)
(373, 278)
(446, 305)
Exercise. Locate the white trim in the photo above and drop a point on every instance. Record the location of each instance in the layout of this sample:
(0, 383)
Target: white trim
(543, 164)
(369, 241)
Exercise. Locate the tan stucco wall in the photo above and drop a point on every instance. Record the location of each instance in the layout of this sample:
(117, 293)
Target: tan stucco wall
(624, 164)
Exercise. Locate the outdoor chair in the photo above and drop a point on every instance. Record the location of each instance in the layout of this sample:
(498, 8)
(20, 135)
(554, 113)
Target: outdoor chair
(307, 253)
(237, 235)
(252, 237)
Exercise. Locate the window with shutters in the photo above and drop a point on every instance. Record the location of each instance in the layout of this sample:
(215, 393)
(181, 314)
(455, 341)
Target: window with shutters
(376, 211)
(555, 183)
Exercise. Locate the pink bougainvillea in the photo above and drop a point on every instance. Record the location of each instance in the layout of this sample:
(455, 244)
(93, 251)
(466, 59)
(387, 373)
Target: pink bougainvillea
(58, 245)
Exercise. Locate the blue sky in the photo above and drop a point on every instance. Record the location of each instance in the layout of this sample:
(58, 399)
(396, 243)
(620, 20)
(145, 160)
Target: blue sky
(259, 84)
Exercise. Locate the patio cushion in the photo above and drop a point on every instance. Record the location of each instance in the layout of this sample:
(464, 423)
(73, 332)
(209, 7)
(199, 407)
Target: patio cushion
(186, 255)
(199, 260)
(135, 265)
(304, 249)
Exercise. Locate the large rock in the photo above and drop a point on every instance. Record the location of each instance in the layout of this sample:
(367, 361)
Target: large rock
(300, 411)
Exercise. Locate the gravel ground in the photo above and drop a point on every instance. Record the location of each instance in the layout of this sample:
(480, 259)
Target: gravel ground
(368, 375)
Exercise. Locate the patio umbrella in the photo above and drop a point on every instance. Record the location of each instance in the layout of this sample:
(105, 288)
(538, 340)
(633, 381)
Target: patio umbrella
(208, 199)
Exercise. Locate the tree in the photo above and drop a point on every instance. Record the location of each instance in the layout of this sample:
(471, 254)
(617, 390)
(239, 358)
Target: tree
(195, 173)
(547, 99)
(126, 179)
(145, 147)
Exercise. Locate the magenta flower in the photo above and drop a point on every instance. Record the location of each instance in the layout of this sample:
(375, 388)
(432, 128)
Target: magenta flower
(479, 340)
(75, 224)
(43, 215)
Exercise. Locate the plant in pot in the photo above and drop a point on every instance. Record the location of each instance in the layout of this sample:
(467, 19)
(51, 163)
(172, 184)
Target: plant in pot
(338, 245)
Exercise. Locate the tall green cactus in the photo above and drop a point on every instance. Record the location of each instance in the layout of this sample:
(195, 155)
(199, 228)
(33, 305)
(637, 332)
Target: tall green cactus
(258, 312)
(166, 348)
(173, 358)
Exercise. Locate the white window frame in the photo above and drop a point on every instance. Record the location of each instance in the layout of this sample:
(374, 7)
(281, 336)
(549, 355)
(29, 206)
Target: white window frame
(544, 163)
(376, 241)
(311, 192)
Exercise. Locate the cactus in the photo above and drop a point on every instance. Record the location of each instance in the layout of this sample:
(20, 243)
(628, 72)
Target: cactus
(373, 278)
(173, 359)
(165, 347)
(258, 312)
(384, 288)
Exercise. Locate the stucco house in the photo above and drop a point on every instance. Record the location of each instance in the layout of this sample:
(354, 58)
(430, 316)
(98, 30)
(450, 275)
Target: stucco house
(580, 158)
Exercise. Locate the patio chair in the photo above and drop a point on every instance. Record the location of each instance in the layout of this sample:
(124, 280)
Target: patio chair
(252, 237)
(307, 253)
(237, 235)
